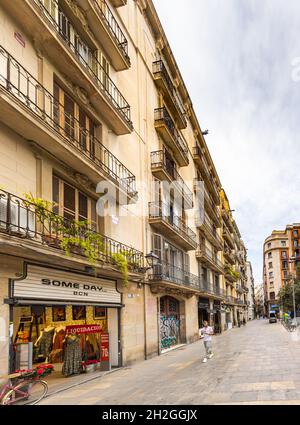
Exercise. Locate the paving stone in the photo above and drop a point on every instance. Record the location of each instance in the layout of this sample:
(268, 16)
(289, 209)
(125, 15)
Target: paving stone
(256, 364)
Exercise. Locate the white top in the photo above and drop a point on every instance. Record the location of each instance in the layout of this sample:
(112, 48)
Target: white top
(207, 333)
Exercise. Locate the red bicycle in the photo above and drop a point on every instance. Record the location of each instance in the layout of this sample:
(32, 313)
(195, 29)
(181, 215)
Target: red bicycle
(26, 386)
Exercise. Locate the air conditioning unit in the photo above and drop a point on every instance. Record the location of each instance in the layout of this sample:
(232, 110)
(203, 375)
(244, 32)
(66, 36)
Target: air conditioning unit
(22, 221)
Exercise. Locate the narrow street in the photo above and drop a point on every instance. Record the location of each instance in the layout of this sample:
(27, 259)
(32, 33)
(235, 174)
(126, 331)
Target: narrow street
(256, 364)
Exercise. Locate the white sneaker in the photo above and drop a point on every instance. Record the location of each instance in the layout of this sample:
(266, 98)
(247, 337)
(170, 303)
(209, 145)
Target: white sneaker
(211, 356)
(204, 360)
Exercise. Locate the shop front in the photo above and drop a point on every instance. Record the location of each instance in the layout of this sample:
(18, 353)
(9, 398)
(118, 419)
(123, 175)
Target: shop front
(68, 319)
(170, 324)
(217, 320)
(203, 311)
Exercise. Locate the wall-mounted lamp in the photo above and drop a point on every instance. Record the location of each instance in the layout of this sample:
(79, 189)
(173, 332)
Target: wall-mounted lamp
(152, 260)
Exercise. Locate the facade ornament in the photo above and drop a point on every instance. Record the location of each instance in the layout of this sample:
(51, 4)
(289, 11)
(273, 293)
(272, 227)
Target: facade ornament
(80, 15)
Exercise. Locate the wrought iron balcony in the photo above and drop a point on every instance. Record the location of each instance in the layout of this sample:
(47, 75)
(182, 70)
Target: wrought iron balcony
(210, 289)
(72, 55)
(167, 274)
(26, 90)
(114, 29)
(172, 226)
(166, 128)
(23, 219)
(210, 259)
(227, 219)
(164, 82)
(163, 169)
(228, 238)
(230, 300)
(229, 255)
(239, 289)
(205, 226)
(204, 168)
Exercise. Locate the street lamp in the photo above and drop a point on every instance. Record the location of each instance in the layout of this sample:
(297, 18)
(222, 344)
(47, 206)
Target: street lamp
(152, 260)
(291, 261)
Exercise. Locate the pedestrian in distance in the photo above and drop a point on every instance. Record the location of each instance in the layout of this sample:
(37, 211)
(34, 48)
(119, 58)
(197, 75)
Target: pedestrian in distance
(206, 334)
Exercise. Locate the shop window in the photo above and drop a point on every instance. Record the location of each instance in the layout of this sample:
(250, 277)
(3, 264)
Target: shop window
(73, 204)
(78, 312)
(59, 314)
(99, 313)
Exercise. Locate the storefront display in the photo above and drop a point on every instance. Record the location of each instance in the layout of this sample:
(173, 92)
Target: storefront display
(64, 334)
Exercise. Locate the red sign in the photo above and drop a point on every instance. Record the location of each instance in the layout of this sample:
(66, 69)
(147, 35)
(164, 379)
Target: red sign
(83, 329)
(19, 38)
(104, 347)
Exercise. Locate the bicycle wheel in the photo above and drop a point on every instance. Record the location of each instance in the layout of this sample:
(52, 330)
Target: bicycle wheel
(30, 392)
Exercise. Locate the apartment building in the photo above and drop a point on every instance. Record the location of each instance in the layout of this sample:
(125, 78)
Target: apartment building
(235, 257)
(279, 248)
(260, 300)
(250, 292)
(95, 117)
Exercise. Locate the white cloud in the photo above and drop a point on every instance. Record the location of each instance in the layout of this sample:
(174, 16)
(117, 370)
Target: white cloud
(236, 59)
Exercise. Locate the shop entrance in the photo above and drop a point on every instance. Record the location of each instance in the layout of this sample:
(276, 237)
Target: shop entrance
(217, 317)
(169, 322)
(65, 318)
(69, 337)
(203, 311)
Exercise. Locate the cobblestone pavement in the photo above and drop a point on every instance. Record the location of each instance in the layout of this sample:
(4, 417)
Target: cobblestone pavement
(256, 364)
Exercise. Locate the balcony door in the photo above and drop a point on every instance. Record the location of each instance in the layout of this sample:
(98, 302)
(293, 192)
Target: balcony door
(75, 124)
(73, 204)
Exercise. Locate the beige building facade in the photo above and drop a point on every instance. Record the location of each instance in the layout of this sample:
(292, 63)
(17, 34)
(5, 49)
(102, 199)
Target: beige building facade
(94, 118)
(279, 248)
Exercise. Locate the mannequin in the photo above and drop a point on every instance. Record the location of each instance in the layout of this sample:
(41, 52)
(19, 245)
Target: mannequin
(45, 341)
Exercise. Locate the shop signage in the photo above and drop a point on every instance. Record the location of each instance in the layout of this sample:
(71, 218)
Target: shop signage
(104, 347)
(83, 329)
(53, 284)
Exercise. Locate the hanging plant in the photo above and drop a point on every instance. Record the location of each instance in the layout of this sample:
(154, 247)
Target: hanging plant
(121, 261)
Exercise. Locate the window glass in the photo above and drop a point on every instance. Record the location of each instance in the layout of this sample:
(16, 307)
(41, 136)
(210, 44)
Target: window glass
(82, 207)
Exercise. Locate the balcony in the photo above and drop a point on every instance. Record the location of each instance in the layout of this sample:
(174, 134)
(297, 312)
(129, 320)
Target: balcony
(200, 160)
(228, 238)
(171, 226)
(230, 300)
(239, 289)
(230, 274)
(229, 255)
(32, 111)
(165, 170)
(227, 219)
(210, 207)
(209, 231)
(167, 130)
(164, 82)
(210, 290)
(166, 275)
(107, 31)
(75, 59)
(209, 259)
(39, 227)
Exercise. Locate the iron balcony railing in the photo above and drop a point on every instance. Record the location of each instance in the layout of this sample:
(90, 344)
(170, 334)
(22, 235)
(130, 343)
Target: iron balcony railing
(88, 61)
(159, 210)
(25, 88)
(174, 274)
(210, 288)
(160, 68)
(207, 225)
(198, 152)
(21, 218)
(159, 159)
(113, 26)
(210, 255)
(162, 115)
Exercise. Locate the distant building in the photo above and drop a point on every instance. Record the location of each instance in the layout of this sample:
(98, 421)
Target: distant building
(250, 291)
(259, 300)
(279, 247)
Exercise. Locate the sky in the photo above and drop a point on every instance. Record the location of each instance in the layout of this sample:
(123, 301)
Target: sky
(240, 60)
